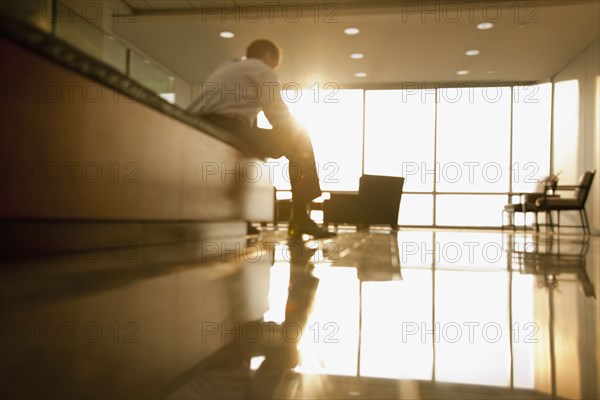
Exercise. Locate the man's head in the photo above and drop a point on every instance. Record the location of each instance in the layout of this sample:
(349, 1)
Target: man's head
(266, 51)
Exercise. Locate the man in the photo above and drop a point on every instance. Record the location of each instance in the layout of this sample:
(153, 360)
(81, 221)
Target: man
(233, 96)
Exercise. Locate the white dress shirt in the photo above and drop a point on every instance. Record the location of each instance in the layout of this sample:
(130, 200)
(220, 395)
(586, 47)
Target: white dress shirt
(241, 88)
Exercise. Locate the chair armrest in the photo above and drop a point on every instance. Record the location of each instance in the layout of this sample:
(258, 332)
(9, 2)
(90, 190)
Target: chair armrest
(567, 187)
(530, 198)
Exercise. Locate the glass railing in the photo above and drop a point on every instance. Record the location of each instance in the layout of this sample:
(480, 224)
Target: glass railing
(151, 76)
(38, 13)
(89, 39)
(63, 22)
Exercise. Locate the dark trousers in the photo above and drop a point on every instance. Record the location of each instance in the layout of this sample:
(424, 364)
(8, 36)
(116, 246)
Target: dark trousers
(275, 143)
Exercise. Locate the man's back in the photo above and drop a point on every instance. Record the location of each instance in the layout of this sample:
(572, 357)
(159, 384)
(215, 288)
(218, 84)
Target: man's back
(238, 88)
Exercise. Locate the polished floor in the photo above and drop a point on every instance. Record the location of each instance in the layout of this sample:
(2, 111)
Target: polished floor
(416, 314)
(413, 314)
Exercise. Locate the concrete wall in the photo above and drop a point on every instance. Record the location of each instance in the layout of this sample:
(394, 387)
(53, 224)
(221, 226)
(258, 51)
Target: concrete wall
(577, 149)
(73, 149)
(577, 127)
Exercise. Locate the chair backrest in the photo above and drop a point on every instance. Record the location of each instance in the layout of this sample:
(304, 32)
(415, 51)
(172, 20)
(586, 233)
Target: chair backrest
(380, 197)
(585, 184)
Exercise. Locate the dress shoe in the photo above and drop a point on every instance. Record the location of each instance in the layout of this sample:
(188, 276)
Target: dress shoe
(308, 227)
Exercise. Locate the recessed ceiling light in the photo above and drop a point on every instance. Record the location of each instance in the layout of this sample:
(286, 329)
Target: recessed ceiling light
(462, 72)
(351, 31)
(357, 56)
(485, 25)
(490, 71)
(360, 74)
(226, 34)
(472, 52)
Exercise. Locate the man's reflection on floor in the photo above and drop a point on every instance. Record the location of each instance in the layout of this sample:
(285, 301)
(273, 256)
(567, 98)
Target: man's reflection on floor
(281, 355)
(228, 373)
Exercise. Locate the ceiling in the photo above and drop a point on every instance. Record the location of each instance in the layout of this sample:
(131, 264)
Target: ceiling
(402, 42)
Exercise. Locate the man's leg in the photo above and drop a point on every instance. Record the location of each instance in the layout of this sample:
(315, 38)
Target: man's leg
(304, 178)
(298, 149)
(303, 172)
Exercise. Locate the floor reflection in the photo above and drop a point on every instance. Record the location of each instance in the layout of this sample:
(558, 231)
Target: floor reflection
(492, 311)
(255, 364)
(414, 314)
(548, 257)
(464, 307)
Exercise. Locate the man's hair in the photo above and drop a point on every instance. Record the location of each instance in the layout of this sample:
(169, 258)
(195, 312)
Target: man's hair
(259, 48)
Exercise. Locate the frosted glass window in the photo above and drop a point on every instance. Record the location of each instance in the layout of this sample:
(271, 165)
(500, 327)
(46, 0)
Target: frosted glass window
(566, 130)
(334, 120)
(531, 135)
(399, 136)
(416, 209)
(473, 139)
(469, 210)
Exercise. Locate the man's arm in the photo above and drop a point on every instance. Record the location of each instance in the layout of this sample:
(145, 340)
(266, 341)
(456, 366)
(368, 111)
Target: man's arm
(275, 109)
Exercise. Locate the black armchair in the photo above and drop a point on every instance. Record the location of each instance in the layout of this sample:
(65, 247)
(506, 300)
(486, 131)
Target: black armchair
(575, 203)
(377, 202)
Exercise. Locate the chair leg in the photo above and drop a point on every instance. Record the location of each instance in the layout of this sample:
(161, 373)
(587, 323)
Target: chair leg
(511, 219)
(587, 222)
(549, 217)
(537, 225)
(557, 220)
(582, 221)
